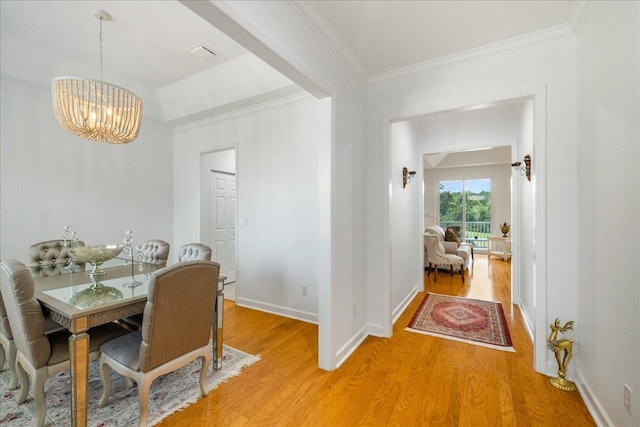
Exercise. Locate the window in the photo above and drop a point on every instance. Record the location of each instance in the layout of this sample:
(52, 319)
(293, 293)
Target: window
(470, 215)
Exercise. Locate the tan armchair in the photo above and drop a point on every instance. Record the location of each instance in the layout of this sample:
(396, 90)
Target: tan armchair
(39, 355)
(438, 257)
(181, 298)
(155, 252)
(52, 257)
(194, 252)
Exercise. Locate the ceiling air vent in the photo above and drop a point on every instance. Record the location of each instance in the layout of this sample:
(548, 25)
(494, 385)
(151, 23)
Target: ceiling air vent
(203, 52)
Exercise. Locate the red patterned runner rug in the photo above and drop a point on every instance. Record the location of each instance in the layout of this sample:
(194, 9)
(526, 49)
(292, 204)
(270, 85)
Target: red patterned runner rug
(463, 319)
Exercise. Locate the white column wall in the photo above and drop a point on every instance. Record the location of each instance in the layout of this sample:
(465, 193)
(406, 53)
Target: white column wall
(285, 40)
(404, 218)
(51, 178)
(549, 70)
(278, 203)
(524, 232)
(607, 347)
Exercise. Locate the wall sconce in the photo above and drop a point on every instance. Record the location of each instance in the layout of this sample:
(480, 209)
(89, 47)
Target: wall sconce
(525, 170)
(407, 176)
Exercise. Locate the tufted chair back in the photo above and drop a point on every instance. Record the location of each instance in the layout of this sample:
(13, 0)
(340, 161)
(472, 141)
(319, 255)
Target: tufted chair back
(24, 312)
(194, 252)
(51, 258)
(181, 299)
(155, 252)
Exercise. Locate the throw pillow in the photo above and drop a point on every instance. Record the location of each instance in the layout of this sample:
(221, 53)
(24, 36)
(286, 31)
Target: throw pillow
(450, 236)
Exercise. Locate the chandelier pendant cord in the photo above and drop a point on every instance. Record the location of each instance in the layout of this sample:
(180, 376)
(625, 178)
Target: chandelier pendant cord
(101, 19)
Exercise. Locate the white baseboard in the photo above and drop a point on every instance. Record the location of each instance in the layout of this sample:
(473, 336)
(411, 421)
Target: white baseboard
(351, 345)
(279, 310)
(404, 304)
(593, 404)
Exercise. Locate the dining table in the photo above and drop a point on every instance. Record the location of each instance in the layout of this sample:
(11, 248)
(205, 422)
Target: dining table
(79, 301)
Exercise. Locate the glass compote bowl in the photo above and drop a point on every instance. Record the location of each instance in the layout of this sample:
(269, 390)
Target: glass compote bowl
(95, 255)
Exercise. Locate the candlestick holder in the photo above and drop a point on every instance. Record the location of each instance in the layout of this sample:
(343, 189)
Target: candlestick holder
(133, 254)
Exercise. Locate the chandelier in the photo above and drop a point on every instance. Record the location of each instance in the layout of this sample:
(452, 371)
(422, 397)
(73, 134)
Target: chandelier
(94, 109)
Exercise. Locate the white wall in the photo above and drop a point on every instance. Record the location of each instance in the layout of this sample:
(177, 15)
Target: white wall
(278, 181)
(405, 233)
(547, 70)
(50, 178)
(500, 176)
(608, 244)
(279, 34)
(524, 219)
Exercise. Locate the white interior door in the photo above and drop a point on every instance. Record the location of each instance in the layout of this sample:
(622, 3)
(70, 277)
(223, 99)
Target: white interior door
(223, 222)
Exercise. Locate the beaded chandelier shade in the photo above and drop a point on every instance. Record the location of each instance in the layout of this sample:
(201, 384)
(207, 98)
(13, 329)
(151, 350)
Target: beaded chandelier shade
(96, 110)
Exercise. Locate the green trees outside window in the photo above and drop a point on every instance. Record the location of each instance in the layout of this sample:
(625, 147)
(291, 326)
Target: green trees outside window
(471, 213)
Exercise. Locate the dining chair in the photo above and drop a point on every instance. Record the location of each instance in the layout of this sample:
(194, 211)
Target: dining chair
(52, 257)
(155, 251)
(175, 331)
(39, 355)
(194, 252)
(8, 346)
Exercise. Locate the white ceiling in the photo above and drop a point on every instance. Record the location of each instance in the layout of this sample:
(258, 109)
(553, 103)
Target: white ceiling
(386, 35)
(147, 42)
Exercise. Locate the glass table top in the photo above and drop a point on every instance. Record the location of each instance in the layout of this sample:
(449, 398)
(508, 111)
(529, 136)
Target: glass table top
(100, 292)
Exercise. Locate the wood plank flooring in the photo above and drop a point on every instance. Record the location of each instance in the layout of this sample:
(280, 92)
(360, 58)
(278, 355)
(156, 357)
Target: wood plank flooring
(407, 380)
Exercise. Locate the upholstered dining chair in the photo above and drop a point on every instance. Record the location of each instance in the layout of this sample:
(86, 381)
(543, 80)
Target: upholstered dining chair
(438, 257)
(39, 355)
(155, 251)
(8, 346)
(180, 299)
(52, 257)
(194, 252)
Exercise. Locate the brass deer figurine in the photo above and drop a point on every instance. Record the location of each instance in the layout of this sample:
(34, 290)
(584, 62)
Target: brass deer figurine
(563, 349)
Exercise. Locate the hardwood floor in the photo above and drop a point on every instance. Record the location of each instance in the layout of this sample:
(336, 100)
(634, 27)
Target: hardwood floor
(407, 380)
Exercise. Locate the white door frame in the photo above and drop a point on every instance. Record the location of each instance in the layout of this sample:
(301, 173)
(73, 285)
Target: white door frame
(538, 94)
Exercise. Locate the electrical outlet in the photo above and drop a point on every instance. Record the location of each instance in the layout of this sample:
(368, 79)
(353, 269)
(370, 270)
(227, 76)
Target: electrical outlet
(627, 398)
(304, 291)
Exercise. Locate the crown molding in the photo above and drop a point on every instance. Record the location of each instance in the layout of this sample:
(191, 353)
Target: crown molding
(504, 47)
(578, 15)
(288, 101)
(327, 33)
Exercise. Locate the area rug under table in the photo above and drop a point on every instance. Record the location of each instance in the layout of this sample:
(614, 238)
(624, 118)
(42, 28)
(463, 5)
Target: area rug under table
(463, 319)
(168, 394)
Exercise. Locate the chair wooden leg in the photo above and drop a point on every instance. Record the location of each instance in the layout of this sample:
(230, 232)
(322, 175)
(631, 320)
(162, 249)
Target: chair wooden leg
(462, 273)
(23, 378)
(37, 388)
(105, 376)
(435, 273)
(429, 270)
(451, 270)
(143, 399)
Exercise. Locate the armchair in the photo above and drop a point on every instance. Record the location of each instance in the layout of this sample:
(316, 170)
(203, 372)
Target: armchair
(463, 250)
(438, 257)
